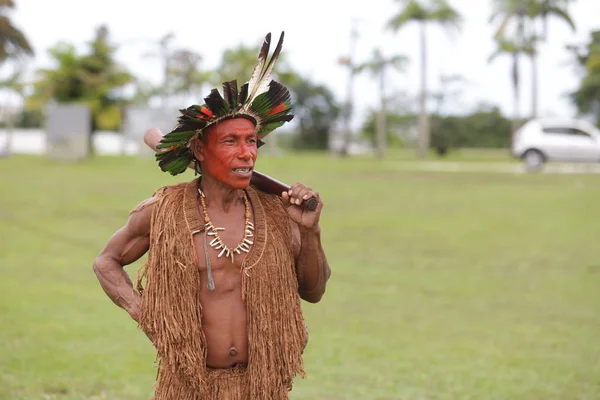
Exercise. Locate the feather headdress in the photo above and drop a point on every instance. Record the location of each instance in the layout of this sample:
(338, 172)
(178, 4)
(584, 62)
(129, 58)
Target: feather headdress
(263, 101)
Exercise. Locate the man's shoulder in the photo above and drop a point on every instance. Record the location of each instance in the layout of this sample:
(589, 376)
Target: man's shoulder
(171, 190)
(272, 205)
(266, 197)
(161, 193)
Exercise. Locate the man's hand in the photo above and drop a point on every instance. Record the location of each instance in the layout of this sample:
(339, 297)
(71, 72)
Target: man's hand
(293, 200)
(312, 268)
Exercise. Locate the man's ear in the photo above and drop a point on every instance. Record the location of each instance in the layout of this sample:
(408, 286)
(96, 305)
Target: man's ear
(197, 147)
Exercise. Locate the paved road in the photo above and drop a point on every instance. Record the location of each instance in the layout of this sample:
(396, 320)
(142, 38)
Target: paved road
(496, 167)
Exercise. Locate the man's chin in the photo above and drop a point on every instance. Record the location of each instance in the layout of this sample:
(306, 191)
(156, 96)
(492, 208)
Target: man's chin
(234, 181)
(239, 183)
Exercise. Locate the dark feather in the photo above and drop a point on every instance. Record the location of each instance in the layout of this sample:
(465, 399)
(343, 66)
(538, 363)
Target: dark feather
(280, 118)
(243, 96)
(216, 103)
(278, 93)
(230, 93)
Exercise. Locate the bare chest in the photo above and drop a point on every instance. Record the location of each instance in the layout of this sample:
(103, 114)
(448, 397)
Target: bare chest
(222, 248)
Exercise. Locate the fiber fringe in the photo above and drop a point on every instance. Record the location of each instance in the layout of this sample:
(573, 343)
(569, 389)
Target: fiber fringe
(171, 312)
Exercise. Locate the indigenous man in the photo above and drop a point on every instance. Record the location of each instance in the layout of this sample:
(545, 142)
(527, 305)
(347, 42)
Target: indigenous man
(219, 295)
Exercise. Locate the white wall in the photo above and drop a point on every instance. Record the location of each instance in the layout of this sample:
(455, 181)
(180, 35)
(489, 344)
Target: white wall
(33, 141)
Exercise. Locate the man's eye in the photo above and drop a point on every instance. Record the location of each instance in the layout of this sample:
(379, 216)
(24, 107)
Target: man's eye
(252, 140)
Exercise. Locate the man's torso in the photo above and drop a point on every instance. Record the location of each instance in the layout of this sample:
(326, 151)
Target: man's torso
(224, 317)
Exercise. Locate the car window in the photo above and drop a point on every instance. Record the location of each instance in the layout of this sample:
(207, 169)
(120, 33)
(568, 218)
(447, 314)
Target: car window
(559, 130)
(579, 132)
(556, 130)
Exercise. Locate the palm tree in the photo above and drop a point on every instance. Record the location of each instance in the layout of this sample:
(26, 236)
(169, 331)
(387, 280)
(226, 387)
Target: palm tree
(524, 14)
(13, 46)
(587, 95)
(237, 63)
(422, 12)
(186, 76)
(513, 49)
(15, 86)
(377, 66)
(164, 54)
(13, 43)
(544, 8)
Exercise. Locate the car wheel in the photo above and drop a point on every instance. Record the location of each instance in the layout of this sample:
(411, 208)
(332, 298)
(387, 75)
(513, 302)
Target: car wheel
(534, 160)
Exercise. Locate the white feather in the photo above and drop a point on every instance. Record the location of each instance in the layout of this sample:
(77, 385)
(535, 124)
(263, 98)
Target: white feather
(260, 65)
(261, 76)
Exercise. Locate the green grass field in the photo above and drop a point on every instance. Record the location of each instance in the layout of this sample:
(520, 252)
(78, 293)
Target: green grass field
(444, 286)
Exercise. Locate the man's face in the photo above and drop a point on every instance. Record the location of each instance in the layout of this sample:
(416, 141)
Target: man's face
(229, 152)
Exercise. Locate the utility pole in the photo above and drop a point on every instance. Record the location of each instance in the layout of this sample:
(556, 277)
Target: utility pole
(165, 55)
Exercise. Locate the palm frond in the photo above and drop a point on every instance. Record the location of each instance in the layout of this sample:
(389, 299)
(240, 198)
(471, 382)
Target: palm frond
(561, 14)
(445, 14)
(412, 11)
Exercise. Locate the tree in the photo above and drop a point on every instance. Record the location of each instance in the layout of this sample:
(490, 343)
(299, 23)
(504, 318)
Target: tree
(185, 75)
(522, 15)
(94, 79)
(377, 66)
(315, 111)
(15, 87)
(102, 79)
(514, 50)
(164, 54)
(13, 43)
(587, 96)
(145, 91)
(238, 63)
(14, 46)
(423, 12)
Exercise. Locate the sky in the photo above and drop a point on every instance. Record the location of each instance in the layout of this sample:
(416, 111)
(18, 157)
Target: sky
(317, 34)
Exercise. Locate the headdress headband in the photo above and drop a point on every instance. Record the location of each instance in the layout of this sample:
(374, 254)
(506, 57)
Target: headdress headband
(263, 101)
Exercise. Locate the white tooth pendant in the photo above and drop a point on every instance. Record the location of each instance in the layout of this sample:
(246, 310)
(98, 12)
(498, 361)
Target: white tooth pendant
(217, 243)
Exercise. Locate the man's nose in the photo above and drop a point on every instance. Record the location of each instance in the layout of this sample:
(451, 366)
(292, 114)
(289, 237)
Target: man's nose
(245, 152)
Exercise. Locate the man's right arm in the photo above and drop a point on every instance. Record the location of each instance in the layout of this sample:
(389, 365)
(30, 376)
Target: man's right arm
(126, 246)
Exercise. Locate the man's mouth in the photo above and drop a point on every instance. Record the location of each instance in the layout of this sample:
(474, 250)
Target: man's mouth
(243, 171)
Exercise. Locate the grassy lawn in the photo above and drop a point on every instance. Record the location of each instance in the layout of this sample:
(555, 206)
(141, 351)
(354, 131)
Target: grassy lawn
(444, 286)
(462, 155)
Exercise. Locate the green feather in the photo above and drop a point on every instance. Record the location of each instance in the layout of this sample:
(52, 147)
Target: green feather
(271, 127)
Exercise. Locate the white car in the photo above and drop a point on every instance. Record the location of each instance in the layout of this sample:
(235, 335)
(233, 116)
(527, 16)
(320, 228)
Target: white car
(563, 140)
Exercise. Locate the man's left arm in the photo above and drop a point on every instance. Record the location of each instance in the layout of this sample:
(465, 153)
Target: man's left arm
(312, 268)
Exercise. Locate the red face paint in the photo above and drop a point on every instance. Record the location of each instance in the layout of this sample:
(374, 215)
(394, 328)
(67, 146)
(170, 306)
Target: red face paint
(230, 151)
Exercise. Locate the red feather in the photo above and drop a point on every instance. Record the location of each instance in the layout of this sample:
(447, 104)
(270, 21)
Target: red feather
(277, 109)
(207, 112)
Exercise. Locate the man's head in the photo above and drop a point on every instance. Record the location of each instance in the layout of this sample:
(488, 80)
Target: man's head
(262, 100)
(227, 152)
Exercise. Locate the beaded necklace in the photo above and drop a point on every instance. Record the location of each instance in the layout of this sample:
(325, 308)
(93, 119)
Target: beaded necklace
(218, 244)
